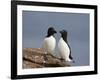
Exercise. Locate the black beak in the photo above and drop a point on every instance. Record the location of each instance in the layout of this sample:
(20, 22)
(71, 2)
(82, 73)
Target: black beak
(60, 31)
(55, 31)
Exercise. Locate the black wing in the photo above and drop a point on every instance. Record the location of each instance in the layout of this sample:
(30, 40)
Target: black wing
(70, 56)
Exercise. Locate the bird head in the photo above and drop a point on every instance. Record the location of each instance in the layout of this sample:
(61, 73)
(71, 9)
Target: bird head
(51, 31)
(63, 32)
(64, 35)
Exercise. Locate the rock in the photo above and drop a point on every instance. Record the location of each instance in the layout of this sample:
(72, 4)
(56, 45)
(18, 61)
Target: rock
(38, 58)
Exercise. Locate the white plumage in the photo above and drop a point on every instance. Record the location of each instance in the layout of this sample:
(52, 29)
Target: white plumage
(49, 44)
(64, 50)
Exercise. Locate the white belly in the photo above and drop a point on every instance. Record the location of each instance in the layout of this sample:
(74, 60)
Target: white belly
(49, 44)
(63, 49)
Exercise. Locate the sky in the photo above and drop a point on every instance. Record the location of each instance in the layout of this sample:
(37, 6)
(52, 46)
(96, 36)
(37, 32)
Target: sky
(36, 23)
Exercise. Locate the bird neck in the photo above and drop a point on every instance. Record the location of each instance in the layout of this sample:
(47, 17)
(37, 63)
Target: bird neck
(64, 38)
(49, 35)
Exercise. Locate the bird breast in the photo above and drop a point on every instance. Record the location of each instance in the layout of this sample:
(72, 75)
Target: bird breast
(63, 49)
(49, 44)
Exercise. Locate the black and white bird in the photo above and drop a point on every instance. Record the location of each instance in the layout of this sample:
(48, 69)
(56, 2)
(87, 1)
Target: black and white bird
(49, 42)
(64, 48)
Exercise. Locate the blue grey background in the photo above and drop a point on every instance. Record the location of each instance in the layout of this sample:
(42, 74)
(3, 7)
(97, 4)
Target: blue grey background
(36, 23)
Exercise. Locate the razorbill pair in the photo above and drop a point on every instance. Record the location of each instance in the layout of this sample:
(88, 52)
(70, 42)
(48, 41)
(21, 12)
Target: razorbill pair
(49, 44)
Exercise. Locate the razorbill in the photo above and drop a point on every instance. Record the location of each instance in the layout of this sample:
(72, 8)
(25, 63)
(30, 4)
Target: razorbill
(64, 48)
(49, 42)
